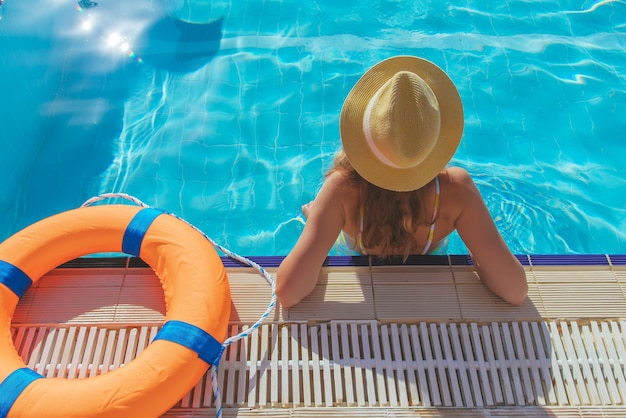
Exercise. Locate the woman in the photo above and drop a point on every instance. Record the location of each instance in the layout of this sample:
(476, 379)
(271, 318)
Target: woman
(389, 191)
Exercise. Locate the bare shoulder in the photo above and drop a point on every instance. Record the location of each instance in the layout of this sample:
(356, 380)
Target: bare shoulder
(339, 179)
(458, 176)
(459, 185)
(340, 187)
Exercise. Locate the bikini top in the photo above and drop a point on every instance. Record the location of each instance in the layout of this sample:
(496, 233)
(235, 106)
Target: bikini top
(431, 232)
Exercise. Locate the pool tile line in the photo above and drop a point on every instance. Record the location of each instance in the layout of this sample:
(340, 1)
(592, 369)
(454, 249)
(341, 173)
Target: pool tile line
(617, 259)
(569, 260)
(531, 260)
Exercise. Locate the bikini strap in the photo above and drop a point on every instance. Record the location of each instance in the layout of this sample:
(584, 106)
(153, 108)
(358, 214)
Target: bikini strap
(359, 238)
(431, 232)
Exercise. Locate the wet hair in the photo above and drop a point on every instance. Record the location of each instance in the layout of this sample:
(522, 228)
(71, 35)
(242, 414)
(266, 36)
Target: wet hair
(390, 218)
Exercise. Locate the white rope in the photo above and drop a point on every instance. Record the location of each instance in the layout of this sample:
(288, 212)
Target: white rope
(104, 196)
(244, 260)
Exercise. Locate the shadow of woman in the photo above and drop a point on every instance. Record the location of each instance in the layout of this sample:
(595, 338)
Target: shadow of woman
(497, 356)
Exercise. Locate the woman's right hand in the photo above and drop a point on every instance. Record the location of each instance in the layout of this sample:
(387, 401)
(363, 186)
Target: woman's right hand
(306, 209)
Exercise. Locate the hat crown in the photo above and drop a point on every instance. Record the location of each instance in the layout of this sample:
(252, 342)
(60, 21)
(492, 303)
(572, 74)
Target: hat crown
(402, 121)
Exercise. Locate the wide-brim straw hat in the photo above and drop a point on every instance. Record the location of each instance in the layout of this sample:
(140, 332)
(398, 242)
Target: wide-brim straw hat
(401, 123)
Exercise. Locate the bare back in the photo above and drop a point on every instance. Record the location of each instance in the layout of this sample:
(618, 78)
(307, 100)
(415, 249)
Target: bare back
(336, 208)
(442, 213)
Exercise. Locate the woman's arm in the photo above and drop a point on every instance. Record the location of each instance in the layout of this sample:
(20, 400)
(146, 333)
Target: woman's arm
(298, 273)
(496, 266)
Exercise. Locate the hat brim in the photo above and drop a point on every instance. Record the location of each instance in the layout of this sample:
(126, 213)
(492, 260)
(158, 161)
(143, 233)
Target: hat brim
(354, 141)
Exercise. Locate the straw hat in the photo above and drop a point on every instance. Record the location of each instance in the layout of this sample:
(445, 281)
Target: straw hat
(401, 123)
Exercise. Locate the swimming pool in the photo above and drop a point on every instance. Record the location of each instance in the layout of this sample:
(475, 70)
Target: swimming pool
(226, 113)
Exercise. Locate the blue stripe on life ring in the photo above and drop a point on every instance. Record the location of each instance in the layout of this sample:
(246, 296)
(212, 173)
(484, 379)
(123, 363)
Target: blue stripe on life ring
(133, 237)
(14, 278)
(192, 337)
(13, 386)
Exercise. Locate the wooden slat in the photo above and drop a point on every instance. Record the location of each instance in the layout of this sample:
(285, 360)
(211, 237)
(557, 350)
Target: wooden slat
(452, 365)
(358, 368)
(264, 365)
(67, 348)
(457, 353)
(109, 351)
(35, 340)
(503, 366)
(513, 365)
(594, 335)
(328, 386)
(379, 368)
(277, 356)
(387, 366)
(493, 368)
(316, 375)
(337, 375)
(306, 361)
(411, 366)
(284, 369)
(244, 355)
(98, 353)
(208, 390)
(530, 363)
(586, 338)
(43, 362)
(76, 365)
(465, 348)
(585, 378)
(295, 365)
(346, 362)
(372, 398)
(617, 354)
(433, 382)
(229, 367)
(85, 362)
(543, 347)
(253, 377)
(561, 365)
(487, 389)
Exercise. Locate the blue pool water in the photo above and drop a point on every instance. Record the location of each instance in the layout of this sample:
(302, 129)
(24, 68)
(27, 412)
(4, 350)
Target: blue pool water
(226, 112)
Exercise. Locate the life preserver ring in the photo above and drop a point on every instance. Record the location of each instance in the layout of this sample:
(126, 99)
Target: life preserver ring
(198, 304)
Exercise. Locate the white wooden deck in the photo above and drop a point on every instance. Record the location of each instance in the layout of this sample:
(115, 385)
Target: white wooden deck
(369, 341)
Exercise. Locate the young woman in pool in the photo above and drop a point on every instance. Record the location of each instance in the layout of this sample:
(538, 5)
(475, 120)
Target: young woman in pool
(389, 191)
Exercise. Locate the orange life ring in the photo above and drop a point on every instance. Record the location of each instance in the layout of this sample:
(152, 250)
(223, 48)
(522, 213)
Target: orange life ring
(198, 304)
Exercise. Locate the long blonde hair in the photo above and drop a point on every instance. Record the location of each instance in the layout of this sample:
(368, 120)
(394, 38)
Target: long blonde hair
(390, 218)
